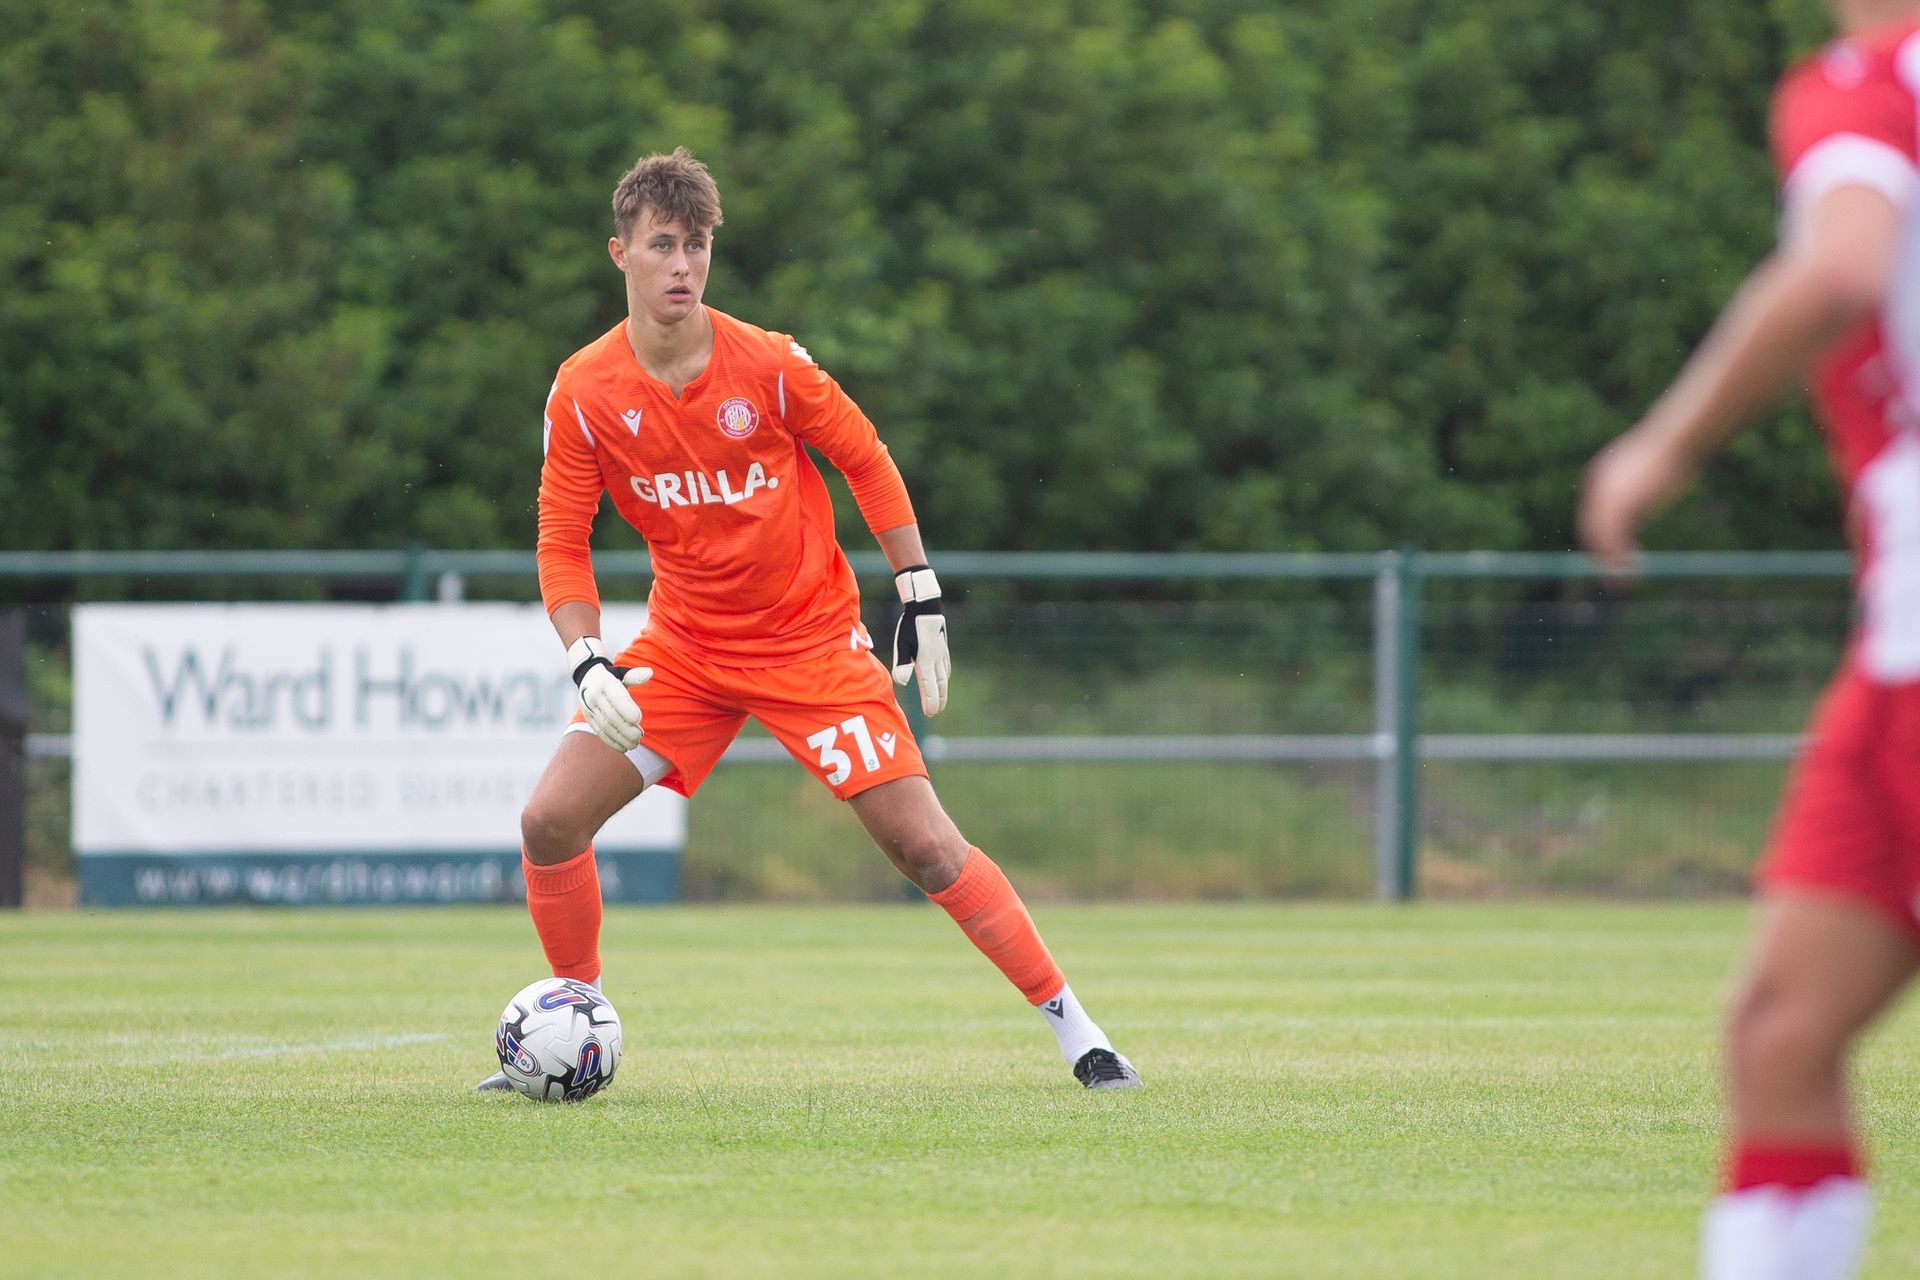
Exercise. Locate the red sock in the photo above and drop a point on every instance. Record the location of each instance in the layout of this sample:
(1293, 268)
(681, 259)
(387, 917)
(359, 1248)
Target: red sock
(1793, 1165)
(990, 913)
(564, 901)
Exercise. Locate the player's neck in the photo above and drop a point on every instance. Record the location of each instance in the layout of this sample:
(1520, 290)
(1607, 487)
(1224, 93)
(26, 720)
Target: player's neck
(674, 353)
(1857, 17)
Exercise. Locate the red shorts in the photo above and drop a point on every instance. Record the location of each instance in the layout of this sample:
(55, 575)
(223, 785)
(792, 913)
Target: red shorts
(1850, 824)
(835, 714)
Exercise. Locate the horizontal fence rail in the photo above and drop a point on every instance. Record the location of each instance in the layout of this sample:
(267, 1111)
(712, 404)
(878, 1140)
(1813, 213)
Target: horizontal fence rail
(1593, 748)
(423, 565)
(1302, 748)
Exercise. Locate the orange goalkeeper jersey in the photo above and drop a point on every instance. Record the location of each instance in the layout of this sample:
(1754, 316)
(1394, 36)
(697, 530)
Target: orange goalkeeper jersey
(736, 517)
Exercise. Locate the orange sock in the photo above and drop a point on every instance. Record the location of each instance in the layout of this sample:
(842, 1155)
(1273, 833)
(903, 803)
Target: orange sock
(564, 901)
(990, 913)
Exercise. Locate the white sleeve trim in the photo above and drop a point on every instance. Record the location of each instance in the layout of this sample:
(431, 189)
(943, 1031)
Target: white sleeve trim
(582, 419)
(546, 418)
(1848, 160)
(801, 354)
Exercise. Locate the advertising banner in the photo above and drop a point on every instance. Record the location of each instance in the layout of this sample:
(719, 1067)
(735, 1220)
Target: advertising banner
(329, 754)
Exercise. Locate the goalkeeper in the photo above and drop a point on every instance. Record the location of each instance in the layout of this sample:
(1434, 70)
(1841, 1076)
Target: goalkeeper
(697, 425)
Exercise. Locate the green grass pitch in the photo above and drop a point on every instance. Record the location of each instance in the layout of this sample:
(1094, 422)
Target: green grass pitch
(1508, 1090)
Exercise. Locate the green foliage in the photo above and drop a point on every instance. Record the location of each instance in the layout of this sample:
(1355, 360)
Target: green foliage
(1114, 273)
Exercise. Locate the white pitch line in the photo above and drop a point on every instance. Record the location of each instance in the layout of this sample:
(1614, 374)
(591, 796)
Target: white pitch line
(132, 1057)
(345, 1044)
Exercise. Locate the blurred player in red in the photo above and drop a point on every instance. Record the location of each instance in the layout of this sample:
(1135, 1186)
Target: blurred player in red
(1838, 937)
(697, 424)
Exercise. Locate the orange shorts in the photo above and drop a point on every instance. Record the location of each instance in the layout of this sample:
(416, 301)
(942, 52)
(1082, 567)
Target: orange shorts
(835, 714)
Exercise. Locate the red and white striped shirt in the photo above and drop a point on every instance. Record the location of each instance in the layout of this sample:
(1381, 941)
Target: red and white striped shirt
(1850, 116)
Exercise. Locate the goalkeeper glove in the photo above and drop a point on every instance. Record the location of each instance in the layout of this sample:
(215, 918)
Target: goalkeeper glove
(920, 637)
(611, 710)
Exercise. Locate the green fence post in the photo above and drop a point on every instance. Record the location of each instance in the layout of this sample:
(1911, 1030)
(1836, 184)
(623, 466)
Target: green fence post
(13, 757)
(413, 576)
(1386, 692)
(1406, 724)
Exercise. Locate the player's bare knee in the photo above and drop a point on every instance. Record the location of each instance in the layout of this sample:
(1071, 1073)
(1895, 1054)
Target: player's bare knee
(1753, 1023)
(930, 858)
(1782, 1035)
(549, 834)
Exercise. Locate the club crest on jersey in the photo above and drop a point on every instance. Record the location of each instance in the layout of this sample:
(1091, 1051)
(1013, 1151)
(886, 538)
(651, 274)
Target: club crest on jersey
(738, 418)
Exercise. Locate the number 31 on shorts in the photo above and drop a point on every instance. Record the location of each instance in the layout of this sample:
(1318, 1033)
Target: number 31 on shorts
(837, 763)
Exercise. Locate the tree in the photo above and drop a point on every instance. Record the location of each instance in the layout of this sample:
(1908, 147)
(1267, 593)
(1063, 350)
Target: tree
(1116, 273)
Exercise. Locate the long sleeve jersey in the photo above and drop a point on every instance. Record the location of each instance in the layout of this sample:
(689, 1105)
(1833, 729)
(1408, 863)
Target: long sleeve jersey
(718, 482)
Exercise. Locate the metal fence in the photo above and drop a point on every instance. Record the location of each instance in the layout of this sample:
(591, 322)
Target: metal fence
(1485, 632)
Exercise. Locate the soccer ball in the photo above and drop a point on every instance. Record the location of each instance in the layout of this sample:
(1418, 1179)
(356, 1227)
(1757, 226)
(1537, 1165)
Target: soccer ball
(559, 1041)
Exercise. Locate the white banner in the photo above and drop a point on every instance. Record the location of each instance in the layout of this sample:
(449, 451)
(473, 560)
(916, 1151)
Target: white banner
(321, 729)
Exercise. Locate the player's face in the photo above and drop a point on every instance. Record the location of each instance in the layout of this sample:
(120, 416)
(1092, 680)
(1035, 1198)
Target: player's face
(665, 264)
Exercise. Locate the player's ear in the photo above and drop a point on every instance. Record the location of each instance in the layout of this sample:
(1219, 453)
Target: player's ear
(617, 251)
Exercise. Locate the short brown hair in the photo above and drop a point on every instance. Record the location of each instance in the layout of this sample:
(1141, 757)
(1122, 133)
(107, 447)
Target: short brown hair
(676, 187)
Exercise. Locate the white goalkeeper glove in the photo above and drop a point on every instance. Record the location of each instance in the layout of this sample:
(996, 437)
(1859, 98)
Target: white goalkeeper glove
(611, 710)
(920, 637)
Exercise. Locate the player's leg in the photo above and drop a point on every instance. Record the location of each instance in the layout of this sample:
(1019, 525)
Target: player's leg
(838, 716)
(1822, 969)
(906, 820)
(1796, 1205)
(1838, 940)
(684, 729)
(585, 783)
